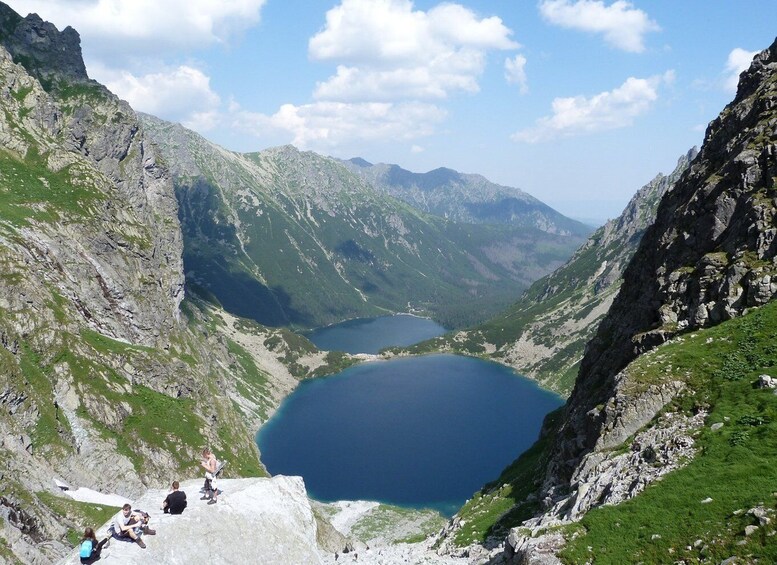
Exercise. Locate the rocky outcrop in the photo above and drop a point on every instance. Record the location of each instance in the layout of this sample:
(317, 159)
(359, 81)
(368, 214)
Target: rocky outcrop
(709, 256)
(107, 378)
(118, 257)
(47, 53)
(255, 521)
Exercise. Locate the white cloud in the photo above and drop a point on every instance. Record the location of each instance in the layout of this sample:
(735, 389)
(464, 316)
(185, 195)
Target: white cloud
(386, 50)
(605, 111)
(182, 94)
(416, 149)
(323, 125)
(515, 72)
(738, 60)
(622, 25)
(119, 27)
(122, 41)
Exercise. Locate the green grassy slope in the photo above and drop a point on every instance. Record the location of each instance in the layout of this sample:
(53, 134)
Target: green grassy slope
(734, 465)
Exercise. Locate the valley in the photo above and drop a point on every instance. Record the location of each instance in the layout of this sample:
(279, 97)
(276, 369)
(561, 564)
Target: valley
(156, 291)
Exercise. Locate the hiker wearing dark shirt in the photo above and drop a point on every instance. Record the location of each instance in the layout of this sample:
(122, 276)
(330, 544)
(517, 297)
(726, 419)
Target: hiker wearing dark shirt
(175, 501)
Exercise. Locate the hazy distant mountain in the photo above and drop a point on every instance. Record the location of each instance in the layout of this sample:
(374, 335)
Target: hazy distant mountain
(466, 197)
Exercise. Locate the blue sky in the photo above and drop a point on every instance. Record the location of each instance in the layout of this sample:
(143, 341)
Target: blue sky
(578, 102)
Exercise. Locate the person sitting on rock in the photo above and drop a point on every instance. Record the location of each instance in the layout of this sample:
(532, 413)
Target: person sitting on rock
(88, 549)
(129, 524)
(175, 501)
(210, 464)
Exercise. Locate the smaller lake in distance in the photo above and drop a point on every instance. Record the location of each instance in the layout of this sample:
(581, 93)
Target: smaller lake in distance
(419, 432)
(370, 335)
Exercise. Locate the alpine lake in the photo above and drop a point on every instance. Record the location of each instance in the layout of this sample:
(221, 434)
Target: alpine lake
(417, 432)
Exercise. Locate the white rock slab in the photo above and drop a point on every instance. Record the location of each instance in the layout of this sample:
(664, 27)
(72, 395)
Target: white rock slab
(256, 520)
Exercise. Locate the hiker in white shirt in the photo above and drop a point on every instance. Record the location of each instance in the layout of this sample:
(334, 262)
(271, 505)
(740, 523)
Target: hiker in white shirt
(210, 464)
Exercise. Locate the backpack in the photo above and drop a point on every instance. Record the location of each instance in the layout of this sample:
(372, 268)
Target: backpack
(144, 516)
(86, 548)
(219, 466)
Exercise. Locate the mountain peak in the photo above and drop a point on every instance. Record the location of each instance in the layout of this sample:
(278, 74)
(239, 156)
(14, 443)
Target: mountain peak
(708, 257)
(359, 162)
(45, 52)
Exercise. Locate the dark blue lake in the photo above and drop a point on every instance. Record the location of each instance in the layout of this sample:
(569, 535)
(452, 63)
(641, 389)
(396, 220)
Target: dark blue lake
(370, 335)
(422, 432)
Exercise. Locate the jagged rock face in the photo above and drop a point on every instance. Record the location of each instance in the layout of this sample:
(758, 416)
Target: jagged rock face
(101, 381)
(710, 255)
(46, 52)
(118, 257)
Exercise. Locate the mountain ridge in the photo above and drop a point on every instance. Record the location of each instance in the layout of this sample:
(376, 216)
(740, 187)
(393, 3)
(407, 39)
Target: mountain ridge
(464, 197)
(675, 385)
(110, 375)
(349, 250)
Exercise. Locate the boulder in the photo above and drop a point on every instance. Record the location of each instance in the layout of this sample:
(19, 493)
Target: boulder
(765, 381)
(257, 520)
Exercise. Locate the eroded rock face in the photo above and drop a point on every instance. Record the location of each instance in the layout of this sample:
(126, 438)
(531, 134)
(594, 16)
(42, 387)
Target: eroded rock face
(709, 256)
(120, 259)
(47, 52)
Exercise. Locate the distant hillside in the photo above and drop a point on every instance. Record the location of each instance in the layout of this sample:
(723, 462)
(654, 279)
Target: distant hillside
(466, 198)
(544, 334)
(292, 238)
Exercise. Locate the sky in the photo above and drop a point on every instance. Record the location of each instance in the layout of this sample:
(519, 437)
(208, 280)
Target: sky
(577, 102)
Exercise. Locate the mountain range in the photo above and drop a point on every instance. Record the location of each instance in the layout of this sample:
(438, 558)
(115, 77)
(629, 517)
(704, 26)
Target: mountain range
(544, 334)
(465, 198)
(292, 238)
(142, 266)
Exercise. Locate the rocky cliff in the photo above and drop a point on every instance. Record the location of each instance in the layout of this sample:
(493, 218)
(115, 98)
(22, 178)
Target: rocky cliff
(109, 377)
(51, 56)
(653, 377)
(709, 256)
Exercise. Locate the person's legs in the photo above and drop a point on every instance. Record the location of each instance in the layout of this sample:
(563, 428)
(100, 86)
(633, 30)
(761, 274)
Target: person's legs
(128, 534)
(208, 489)
(214, 492)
